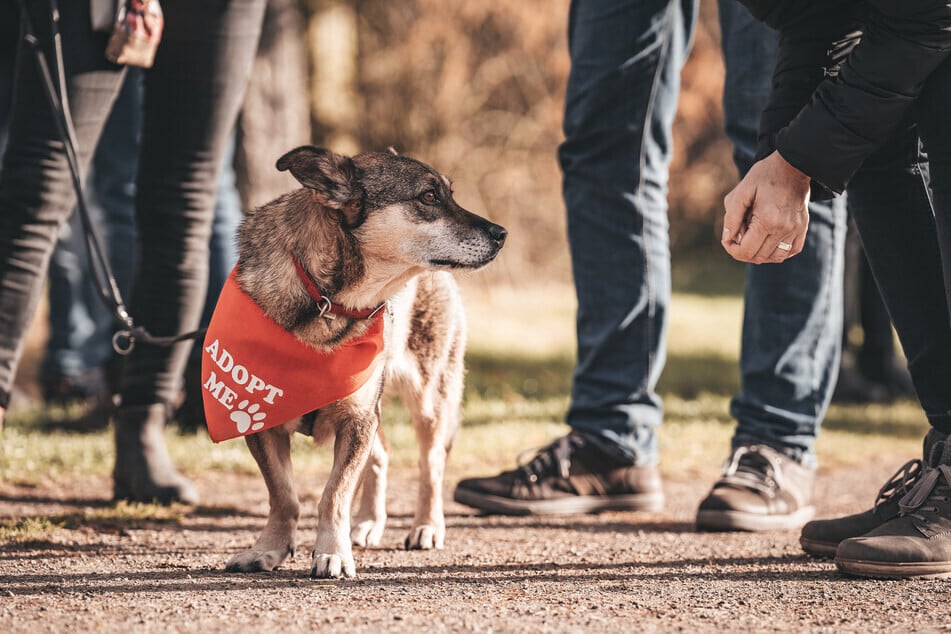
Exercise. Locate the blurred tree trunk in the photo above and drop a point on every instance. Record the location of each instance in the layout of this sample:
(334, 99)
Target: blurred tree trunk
(334, 49)
(276, 116)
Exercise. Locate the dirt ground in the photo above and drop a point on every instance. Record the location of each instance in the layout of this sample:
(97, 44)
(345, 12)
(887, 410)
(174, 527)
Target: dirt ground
(608, 573)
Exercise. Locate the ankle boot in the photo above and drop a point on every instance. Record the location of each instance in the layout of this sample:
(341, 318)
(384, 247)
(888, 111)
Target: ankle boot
(144, 471)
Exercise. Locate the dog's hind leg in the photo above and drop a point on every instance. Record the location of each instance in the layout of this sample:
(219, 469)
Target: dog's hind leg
(271, 449)
(436, 411)
(370, 519)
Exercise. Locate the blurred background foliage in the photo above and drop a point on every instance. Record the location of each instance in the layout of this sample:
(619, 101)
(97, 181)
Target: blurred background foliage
(476, 89)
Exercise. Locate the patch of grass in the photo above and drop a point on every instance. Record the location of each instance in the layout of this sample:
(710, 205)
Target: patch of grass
(520, 361)
(118, 518)
(29, 530)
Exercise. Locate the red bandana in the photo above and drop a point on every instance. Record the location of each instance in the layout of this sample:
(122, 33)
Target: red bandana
(256, 375)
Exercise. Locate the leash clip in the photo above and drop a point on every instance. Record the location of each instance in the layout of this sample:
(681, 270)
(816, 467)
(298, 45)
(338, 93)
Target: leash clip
(123, 349)
(324, 306)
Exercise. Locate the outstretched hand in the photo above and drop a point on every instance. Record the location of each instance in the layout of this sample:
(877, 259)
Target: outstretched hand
(766, 213)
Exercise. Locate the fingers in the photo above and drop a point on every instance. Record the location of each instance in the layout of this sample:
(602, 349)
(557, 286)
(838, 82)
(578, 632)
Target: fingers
(759, 248)
(762, 244)
(737, 203)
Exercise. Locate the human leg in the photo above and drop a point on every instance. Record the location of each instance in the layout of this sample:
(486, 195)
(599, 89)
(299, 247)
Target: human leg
(910, 256)
(223, 254)
(791, 325)
(79, 350)
(115, 167)
(67, 374)
(854, 384)
(620, 104)
(192, 97)
(9, 29)
(36, 192)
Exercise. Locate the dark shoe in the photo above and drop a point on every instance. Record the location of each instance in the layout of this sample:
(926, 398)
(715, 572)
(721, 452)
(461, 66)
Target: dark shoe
(821, 538)
(916, 543)
(143, 471)
(760, 489)
(569, 476)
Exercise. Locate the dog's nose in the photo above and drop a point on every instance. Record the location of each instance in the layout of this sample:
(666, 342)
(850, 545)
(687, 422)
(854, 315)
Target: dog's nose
(497, 233)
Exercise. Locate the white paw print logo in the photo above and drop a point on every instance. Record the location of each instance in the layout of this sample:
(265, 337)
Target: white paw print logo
(248, 417)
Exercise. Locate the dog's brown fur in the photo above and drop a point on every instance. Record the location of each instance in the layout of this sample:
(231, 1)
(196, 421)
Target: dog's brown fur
(364, 228)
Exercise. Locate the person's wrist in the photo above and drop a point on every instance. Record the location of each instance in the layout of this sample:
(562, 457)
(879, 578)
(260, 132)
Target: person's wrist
(789, 170)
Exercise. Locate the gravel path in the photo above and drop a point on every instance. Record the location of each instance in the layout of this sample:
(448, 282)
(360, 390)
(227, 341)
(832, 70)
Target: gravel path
(616, 572)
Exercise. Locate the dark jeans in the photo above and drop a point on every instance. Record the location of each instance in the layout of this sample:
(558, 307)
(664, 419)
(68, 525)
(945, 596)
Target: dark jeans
(620, 104)
(909, 248)
(908, 243)
(792, 319)
(192, 97)
(81, 327)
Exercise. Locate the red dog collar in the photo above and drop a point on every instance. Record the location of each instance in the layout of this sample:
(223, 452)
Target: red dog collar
(323, 301)
(256, 375)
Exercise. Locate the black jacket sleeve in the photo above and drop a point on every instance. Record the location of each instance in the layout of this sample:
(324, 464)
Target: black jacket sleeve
(852, 114)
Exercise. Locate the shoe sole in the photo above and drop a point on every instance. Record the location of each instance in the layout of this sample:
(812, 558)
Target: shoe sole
(653, 502)
(818, 548)
(879, 570)
(752, 522)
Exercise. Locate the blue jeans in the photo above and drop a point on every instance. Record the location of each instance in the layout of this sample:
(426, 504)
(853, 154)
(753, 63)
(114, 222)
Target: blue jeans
(620, 104)
(792, 321)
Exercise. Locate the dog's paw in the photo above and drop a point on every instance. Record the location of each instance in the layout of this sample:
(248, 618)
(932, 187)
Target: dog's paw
(425, 537)
(332, 566)
(367, 533)
(257, 560)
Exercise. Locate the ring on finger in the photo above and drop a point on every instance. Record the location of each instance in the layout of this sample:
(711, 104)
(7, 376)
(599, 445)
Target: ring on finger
(784, 246)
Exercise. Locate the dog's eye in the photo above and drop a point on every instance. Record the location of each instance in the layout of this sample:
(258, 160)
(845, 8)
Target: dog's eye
(429, 197)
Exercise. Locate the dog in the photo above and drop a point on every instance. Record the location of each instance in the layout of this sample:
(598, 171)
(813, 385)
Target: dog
(360, 233)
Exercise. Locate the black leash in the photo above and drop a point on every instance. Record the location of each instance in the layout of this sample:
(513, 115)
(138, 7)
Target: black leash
(124, 340)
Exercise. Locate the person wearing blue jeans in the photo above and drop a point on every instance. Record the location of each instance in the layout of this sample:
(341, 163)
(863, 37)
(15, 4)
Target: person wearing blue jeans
(620, 104)
(792, 324)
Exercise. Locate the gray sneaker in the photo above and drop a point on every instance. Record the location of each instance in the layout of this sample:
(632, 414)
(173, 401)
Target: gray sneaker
(916, 543)
(821, 538)
(759, 489)
(571, 475)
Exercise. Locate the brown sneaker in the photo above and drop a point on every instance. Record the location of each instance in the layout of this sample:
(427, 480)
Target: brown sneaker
(570, 475)
(916, 543)
(760, 489)
(820, 538)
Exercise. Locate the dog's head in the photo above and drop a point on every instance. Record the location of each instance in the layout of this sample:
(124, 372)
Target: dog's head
(398, 209)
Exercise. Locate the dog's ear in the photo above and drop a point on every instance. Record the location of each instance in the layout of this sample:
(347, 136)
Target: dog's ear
(331, 176)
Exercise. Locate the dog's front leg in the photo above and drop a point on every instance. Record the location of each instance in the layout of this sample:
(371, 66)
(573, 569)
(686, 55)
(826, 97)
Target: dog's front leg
(333, 555)
(271, 449)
